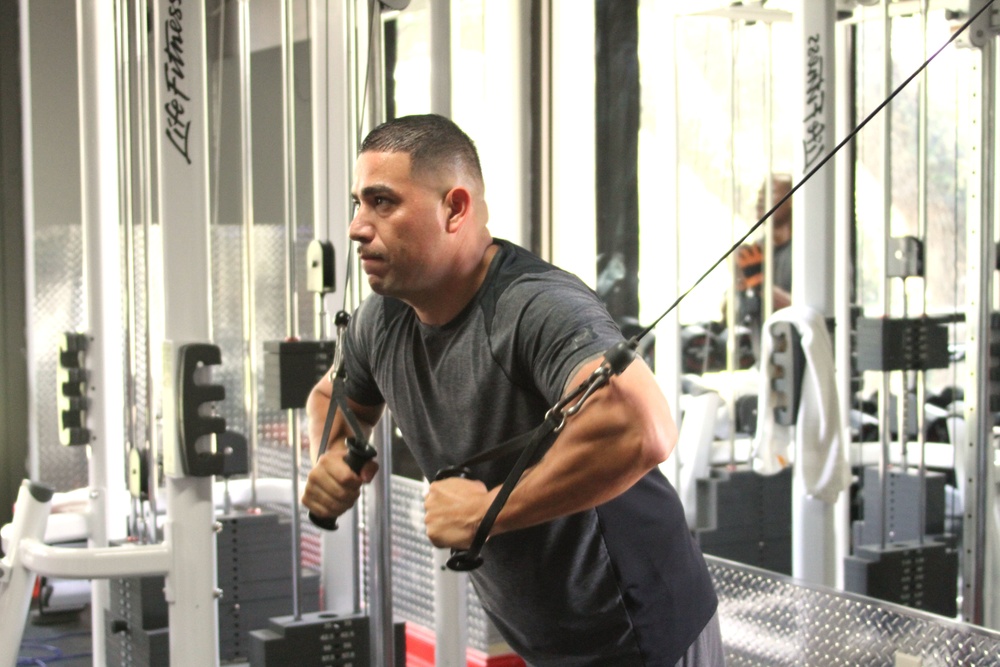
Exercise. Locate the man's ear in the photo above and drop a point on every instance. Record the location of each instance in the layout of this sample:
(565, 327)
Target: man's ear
(458, 204)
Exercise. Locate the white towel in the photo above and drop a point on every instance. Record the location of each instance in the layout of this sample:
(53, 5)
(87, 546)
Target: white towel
(820, 447)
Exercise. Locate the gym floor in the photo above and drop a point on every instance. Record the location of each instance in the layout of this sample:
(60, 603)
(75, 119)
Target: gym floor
(61, 639)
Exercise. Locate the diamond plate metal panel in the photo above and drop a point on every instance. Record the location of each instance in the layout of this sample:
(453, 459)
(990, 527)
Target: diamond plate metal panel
(57, 307)
(413, 569)
(769, 619)
(227, 321)
(274, 455)
(140, 368)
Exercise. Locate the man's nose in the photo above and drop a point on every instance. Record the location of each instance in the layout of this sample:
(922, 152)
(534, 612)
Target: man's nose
(359, 230)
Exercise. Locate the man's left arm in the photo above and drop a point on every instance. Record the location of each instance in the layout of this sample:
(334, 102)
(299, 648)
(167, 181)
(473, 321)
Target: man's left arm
(623, 431)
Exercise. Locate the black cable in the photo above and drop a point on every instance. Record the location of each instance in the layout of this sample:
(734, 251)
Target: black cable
(619, 356)
(817, 167)
(373, 11)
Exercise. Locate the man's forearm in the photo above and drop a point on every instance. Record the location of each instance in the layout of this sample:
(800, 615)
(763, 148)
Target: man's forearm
(623, 431)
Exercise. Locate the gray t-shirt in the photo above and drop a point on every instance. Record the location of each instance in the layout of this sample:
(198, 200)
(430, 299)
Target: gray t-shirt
(574, 591)
(781, 259)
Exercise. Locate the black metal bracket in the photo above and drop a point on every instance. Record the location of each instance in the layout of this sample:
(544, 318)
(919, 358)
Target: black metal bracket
(789, 362)
(192, 424)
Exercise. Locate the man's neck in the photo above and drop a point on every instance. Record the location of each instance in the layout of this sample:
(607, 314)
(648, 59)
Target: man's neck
(447, 302)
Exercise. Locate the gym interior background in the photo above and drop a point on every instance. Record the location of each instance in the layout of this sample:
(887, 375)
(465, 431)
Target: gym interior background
(625, 140)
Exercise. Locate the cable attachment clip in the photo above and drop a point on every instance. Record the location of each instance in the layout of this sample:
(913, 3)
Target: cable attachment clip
(616, 360)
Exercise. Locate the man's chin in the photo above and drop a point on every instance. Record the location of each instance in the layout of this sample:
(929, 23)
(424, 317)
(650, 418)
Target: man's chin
(378, 286)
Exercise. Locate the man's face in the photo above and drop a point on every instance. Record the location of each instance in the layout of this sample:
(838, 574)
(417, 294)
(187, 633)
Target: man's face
(399, 225)
(781, 221)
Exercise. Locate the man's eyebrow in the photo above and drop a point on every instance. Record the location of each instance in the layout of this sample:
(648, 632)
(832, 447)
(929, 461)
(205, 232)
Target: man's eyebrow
(376, 190)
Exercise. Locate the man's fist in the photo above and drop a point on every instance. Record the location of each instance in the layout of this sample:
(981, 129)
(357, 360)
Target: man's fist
(749, 261)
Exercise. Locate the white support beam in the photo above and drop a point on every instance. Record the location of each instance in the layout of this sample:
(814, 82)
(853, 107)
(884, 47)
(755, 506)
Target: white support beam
(100, 207)
(451, 620)
(842, 335)
(502, 137)
(815, 553)
(975, 458)
(573, 170)
(332, 68)
(181, 135)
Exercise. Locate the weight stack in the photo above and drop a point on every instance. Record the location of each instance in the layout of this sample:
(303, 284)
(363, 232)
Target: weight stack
(254, 572)
(255, 576)
(918, 566)
(320, 639)
(135, 626)
(902, 506)
(921, 576)
(753, 518)
(292, 368)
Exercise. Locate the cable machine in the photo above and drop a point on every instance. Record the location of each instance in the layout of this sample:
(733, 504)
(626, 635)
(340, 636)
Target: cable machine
(174, 525)
(186, 557)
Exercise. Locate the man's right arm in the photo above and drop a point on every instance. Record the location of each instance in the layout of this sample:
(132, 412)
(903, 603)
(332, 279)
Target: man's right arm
(332, 487)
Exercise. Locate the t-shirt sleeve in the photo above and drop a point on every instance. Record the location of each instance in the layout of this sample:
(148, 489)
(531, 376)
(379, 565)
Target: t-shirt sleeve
(358, 345)
(561, 324)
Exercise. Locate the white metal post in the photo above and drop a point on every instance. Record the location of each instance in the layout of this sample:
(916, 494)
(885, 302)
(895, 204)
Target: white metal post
(451, 622)
(977, 454)
(814, 550)
(334, 146)
(28, 171)
(573, 169)
(844, 196)
(181, 122)
(987, 455)
(379, 509)
(501, 136)
(100, 198)
(249, 310)
(31, 513)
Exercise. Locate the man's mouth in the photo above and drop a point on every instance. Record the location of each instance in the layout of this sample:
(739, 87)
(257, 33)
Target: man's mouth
(370, 260)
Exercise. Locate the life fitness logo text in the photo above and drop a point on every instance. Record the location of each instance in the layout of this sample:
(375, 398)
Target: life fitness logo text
(178, 123)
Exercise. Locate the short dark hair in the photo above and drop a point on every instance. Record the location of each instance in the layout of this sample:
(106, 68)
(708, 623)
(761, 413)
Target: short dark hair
(430, 140)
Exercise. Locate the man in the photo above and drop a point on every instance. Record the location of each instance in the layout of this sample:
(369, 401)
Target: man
(470, 341)
(749, 275)
(750, 257)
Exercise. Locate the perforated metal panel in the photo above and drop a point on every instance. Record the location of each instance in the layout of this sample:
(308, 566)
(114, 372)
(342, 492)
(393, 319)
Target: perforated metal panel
(269, 292)
(227, 321)
(274, 453)
(140, 365)
(413, 571)
(769, 619)
(58, 306)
